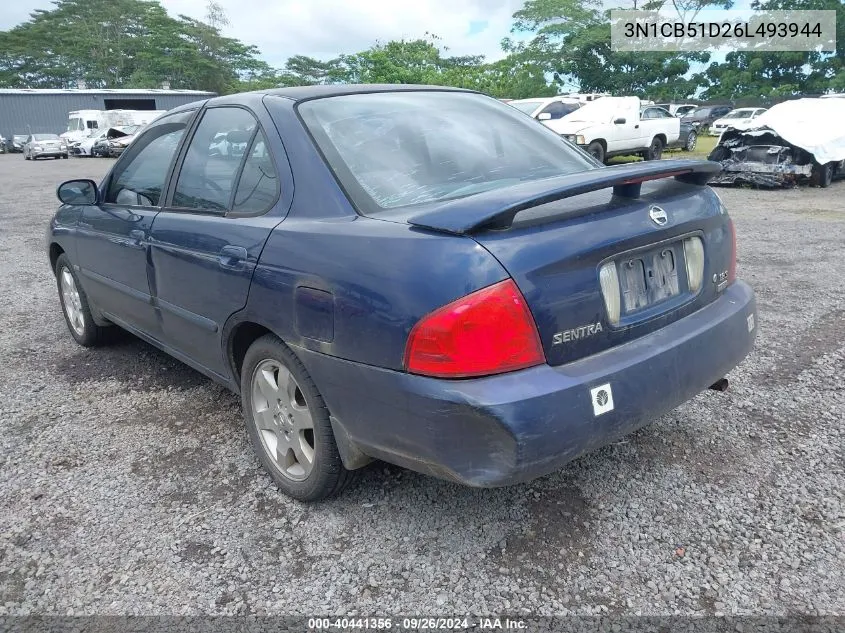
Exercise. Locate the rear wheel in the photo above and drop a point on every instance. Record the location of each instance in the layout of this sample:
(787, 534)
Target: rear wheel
(596, 150)
(692, 141)
(75, 306)
(822, 175)
(288, 423)
(655, 150)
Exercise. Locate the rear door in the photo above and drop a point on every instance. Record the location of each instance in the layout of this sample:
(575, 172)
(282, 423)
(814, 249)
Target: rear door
(113, 236)
(205, 244)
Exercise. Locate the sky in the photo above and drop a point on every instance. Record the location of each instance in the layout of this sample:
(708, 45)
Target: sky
(325, 28)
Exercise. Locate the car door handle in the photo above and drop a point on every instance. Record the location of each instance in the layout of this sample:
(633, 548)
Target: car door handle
(233, 257)
(636, 127)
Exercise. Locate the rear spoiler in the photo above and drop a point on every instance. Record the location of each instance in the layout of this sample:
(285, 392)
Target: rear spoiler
(496, 209)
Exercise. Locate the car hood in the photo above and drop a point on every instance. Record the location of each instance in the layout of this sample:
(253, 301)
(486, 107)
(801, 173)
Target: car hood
(573, 127)
(814, 125)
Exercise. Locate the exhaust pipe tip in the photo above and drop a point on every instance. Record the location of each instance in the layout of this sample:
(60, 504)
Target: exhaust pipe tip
(720, 385)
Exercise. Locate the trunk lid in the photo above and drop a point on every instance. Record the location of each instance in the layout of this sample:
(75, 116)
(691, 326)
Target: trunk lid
(554, 254)
(554, 236)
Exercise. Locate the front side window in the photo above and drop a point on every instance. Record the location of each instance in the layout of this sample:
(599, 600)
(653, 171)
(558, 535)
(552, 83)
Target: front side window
(394, 149)
(139, 178)
(213, 159)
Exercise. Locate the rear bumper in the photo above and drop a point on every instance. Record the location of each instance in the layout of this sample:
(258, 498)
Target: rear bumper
(48, 152)
(522, 425)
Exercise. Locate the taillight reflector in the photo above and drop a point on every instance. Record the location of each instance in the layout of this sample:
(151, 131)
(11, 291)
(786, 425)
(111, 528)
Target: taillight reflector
(489, 331)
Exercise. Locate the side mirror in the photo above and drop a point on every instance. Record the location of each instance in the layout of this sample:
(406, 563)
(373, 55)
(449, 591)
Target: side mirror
(79, 192)
(544, 116)
(620, 121)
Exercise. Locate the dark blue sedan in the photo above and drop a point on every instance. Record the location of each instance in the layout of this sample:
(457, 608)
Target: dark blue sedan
(419, 275)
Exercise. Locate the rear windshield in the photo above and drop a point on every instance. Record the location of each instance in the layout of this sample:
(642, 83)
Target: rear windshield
(45, 137)
(394, 149)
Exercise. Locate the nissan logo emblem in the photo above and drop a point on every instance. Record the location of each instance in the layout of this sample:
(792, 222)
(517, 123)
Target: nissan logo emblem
(658, 216)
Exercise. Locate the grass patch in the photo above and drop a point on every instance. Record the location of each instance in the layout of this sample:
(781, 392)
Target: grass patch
(705, 145)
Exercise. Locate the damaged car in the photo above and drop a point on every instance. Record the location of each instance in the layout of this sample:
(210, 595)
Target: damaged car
(795, 142)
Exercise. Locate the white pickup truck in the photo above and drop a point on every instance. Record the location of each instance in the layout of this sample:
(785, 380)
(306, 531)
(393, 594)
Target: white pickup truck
(611, 126)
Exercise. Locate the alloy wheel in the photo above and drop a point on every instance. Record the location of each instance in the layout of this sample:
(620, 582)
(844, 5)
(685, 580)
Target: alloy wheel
(72, 302)
(283, 419)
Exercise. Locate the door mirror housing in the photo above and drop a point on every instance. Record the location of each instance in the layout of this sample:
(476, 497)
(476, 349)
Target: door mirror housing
(78, 192)
(620, 121)
(544, 116)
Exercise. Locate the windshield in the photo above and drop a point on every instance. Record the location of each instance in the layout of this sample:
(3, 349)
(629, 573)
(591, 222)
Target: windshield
(527, 106)
(738, 114)
(394, 149)
(45, 137)
(700, 112)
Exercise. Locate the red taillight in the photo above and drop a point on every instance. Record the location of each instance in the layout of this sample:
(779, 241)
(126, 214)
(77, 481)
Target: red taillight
(487, 332)
(732, 262)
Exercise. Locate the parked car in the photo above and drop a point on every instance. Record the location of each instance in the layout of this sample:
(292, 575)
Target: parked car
(613, 126)
(547, 108)
(85, 147)
(687, 136)
(3, 143)
(677, 109)
(119, 139)
(735, 118)
(398, 304)
(17, 143)
(702, 118)
(44, 146)
(795, 142)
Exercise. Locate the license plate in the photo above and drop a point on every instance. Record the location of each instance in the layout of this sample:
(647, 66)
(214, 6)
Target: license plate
(649, 278)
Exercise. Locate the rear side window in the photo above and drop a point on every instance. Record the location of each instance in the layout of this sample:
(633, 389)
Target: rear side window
(213, 161)
(258, 187)
(139, 178)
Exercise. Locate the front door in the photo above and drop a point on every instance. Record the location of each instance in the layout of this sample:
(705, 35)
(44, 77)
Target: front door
(113, 236)
(205, 244)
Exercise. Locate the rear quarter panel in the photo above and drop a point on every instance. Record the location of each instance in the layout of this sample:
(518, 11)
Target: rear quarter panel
(378, 279)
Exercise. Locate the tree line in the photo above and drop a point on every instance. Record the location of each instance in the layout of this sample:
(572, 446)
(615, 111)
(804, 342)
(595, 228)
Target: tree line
(558, 45)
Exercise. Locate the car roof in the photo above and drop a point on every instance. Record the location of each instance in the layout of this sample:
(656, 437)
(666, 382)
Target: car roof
(300, 93)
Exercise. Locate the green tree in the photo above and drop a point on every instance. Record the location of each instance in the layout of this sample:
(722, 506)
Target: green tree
(571, 42)
(771, 75)
(123, 43)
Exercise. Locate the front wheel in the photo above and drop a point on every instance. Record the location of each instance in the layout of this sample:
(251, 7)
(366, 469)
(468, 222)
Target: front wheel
(75, 306)
(288, 423)
(822, 175)
(596, 150)
(692, 141)
(655, 150)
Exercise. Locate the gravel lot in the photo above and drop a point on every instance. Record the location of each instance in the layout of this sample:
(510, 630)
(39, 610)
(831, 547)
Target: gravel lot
(128, 485)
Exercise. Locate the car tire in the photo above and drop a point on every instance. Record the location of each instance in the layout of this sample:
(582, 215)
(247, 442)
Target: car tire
(596, 150)
(288, 423)
(64, 156)
(655, 150)
(822, 175)
(76, 307)
(692, 141)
